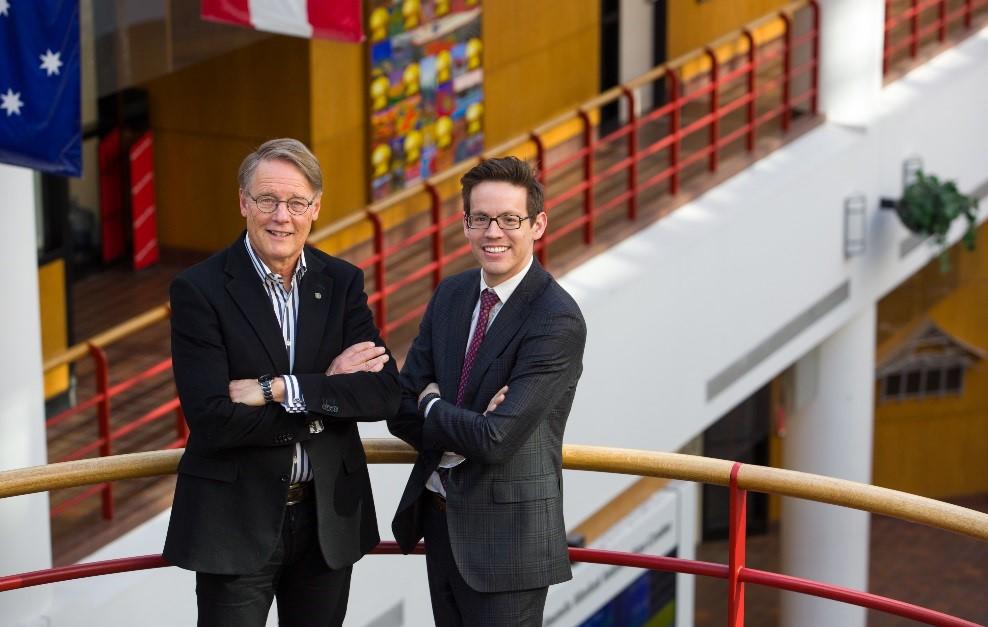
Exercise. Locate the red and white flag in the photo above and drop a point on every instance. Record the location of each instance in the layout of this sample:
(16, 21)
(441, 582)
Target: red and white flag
(324, 19)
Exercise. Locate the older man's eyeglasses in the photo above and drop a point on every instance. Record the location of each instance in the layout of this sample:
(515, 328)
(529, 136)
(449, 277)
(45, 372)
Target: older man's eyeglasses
(269, 204)
(507, 221)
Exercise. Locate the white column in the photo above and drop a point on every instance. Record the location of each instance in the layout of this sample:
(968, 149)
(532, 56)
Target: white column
(830, 433)
(25, 541)
(850, 78)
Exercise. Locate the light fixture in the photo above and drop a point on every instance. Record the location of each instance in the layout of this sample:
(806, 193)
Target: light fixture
(854, 225)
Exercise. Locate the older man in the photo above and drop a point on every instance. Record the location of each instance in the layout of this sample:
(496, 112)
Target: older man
(276, 358)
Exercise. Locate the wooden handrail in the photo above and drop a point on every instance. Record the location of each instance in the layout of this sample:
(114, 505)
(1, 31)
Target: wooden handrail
(109, 336)
(802, 485)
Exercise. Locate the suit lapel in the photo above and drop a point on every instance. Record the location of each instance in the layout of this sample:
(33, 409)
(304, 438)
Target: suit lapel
(464, 299)
(247, 292)
(509, 319)
(313, 314)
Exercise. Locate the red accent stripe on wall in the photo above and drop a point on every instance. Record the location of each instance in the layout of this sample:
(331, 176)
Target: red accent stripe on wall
(229, 11)
(341, 19)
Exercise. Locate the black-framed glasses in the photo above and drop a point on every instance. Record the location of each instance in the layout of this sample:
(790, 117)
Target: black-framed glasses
(269, 204)
(507, 221)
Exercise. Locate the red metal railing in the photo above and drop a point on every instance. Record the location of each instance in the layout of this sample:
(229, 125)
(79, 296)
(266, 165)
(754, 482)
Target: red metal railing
(106, 434)
(704, 104)
(699, 107)
(735, 572)
(912, 26)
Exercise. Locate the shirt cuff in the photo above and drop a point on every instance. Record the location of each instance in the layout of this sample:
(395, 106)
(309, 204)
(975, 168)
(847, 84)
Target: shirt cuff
(293, 403)
(429, 406)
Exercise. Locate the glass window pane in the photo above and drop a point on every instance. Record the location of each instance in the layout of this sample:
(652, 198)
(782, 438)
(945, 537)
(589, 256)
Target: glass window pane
(893, 386)
(913, 380)
(954, 379)
(934, 382)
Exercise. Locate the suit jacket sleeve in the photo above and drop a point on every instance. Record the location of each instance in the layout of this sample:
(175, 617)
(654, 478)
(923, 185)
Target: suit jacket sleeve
(549, 363)
(418, 372)
(365, 396)
(201, 366)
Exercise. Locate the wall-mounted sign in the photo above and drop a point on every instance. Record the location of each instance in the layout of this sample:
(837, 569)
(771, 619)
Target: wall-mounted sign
(425, 88)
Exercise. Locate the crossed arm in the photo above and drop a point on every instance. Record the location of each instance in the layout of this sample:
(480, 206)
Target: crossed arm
(225, 413)
(547, 365)
(360, 357)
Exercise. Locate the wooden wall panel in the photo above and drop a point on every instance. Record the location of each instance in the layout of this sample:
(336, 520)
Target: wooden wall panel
(540, 58)
(692, 24)
(206, 118)
(54, 326)
(339, 125)
(938, 447)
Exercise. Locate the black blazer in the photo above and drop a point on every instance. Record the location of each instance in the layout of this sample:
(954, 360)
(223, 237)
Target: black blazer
(504, 503)
(233, 478)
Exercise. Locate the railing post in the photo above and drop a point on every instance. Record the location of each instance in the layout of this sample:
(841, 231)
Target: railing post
(714, 129)
(102, 368)
(752, 94)
(786, 71)
(736, 557)
(632, 153)
(914, 29)
(942, 19)
(435, 210)
(674, 124)
(588, 190)
(380, 307)
(968, 12)
(885, 40)
(815, 74)
(540, 246)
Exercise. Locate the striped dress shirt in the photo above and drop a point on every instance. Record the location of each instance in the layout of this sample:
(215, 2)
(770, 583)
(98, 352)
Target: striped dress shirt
(285, 304)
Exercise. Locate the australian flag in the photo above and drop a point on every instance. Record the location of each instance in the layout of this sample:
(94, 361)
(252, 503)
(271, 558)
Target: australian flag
(40, 119)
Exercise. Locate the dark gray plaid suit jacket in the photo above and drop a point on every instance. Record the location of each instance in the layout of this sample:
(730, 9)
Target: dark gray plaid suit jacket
(504, 503)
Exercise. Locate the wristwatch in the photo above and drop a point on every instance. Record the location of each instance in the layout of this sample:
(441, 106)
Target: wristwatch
(424, 404)
(265, 381)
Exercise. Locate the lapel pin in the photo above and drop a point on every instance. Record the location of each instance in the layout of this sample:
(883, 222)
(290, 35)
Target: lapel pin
(318, 295)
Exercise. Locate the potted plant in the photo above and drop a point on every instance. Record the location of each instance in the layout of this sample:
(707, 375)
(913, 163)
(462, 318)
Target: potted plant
(929, 206)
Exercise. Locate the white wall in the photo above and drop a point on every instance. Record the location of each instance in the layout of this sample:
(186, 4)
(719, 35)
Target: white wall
(669, 308)
(24, 519)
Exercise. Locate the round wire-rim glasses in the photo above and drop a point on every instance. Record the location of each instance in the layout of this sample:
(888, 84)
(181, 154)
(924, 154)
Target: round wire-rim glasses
(269, 204)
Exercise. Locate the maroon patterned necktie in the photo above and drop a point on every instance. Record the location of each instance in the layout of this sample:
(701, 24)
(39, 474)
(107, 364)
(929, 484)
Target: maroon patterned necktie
(488, 298)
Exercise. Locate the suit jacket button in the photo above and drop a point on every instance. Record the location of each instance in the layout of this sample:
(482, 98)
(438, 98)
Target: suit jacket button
(284, 478)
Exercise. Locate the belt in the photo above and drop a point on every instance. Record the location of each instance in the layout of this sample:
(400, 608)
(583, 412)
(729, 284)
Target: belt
(298, 492)
(436, 500)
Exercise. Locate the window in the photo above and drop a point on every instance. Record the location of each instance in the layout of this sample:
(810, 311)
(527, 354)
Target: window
(922, 383)
(930, 363)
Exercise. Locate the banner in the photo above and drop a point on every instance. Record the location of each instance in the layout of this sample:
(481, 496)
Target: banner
(40, 110)
(321, 19)
(425, 89)
(142, 202)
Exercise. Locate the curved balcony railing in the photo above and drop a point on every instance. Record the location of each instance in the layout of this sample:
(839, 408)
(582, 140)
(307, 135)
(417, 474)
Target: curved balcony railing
(739, 478)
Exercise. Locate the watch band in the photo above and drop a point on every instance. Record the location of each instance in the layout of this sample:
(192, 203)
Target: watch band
(265, 382)
(424, 403)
